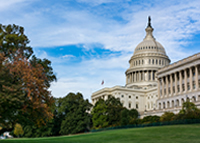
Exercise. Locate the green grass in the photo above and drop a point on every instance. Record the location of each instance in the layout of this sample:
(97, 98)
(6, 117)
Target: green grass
(161, 134)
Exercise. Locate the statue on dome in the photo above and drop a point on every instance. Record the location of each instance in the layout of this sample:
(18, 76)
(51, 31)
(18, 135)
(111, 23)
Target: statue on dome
(149, 21)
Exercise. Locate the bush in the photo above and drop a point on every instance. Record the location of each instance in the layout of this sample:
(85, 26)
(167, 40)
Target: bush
(167, 116)
(18, 130)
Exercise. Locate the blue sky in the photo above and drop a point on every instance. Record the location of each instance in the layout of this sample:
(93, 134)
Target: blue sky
(92, 40)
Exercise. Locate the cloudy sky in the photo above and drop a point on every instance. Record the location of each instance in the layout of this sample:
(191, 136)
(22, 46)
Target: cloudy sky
(89, 41)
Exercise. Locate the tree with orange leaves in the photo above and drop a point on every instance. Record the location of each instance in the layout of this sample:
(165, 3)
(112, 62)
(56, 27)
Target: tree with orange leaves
(24, 80)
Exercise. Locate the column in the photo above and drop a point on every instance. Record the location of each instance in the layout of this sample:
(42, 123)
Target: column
(126, 79)
(185, 81)
(175, 85)
(196, 77)
(132, 77)
(158, 88)
(180, 81)
(139, 76)
(167, 86)
(191, 85)
(147, 75)
(171, 85)
(135, 77)
(142, 75)
(162, 86)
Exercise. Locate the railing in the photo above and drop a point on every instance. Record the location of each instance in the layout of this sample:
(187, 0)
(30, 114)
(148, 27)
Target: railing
(175, 122)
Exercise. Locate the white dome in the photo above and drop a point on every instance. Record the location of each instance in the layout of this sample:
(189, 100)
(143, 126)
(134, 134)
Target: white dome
(149, 44)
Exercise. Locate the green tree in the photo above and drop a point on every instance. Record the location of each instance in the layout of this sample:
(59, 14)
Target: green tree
(18, 130)
(189, 111)
(114, 108)
(76, 114)
(167, 116)
(99, 114)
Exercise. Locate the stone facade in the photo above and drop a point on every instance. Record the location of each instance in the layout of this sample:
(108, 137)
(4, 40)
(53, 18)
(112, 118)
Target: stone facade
(153, 85)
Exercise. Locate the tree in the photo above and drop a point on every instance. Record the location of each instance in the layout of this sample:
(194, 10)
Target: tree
(189, 111)
(114, 108)
(167, 116)
(76, 114)
(99, 114)
(18, 130)
(109, 113)
(24, 80)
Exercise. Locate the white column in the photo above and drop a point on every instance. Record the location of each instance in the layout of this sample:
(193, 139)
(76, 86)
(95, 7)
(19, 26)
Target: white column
(196, 77)
(135, 76)
(139, 76)
(175, 76)
(151, 75)
(185, 81)
(142, 75)
(171, 85)
(147, 75)
(162, 87)
(167, 86)
(158, 88)
(191, 85)
(180, 81)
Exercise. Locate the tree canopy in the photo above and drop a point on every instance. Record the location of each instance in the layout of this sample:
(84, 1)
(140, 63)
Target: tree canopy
(24, 80)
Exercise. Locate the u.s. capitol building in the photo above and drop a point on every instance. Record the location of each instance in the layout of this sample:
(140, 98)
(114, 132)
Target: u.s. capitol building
(153, 85)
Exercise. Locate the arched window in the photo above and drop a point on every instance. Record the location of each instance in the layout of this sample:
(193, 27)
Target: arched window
(149, 61)
(159, 62)
(152, 61)
(142, 61)
(136, 63)
(139, 62)
(156, 61)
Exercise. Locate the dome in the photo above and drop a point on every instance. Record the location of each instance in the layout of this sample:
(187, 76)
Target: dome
(149, 56)
(149, 44)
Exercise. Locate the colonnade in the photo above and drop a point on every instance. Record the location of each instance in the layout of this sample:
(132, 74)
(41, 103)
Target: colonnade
(177, 102)
(182, 81)
(138, 76)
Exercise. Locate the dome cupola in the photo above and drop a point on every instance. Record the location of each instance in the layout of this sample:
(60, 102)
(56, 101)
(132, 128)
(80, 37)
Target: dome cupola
(148, 57)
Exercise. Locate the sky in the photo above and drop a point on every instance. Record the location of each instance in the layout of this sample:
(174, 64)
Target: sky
(90, 41)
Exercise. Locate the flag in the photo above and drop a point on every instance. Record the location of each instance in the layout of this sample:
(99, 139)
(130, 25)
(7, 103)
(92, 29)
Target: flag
(102, 82)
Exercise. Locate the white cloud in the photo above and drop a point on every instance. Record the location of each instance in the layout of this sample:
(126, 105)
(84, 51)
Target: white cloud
(68, 56)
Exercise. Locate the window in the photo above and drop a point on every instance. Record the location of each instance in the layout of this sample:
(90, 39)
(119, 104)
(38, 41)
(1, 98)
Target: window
(188, 86)
(129, 96)
(194, 86)
(122, 96)
(153, 61)
(129, 105)
(137, 106)
(136, 97)
(183, 86)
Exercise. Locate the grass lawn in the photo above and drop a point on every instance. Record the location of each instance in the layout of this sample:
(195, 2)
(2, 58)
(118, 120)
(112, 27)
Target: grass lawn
(161, 134)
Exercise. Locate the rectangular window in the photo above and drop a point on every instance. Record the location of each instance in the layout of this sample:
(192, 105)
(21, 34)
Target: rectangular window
(183, 86)
(188, 86)
(136, 106)
(194, 86)
(129, 105)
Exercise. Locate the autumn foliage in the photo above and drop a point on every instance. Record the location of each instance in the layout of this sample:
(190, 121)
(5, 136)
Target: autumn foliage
(24, 82)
